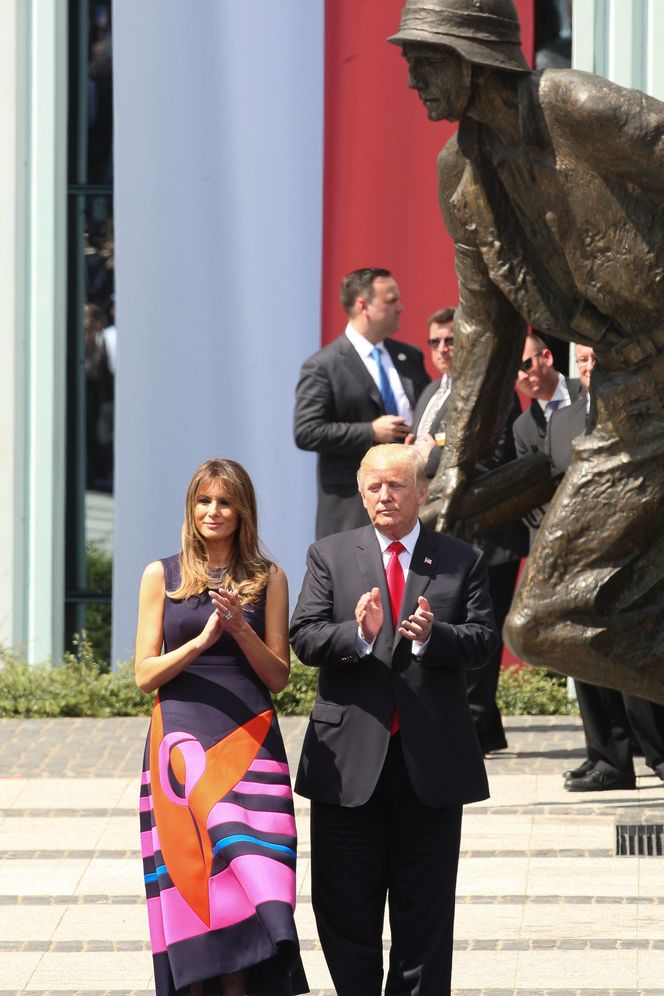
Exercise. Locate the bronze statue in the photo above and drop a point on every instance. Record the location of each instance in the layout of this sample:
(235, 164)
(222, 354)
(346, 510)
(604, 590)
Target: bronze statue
(553, 191)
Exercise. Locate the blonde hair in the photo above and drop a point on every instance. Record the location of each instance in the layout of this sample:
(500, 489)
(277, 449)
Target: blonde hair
(249, 570)
(393, 453)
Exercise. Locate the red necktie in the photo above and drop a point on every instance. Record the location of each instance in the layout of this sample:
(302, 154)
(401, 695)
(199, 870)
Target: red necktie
(396, 585)
(395, 580)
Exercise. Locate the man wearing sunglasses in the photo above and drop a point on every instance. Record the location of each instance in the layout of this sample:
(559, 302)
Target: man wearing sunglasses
(548, 390)
(430, 415)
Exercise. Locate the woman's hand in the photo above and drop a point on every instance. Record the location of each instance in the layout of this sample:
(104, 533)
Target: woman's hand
(212, 630)
(228, 607)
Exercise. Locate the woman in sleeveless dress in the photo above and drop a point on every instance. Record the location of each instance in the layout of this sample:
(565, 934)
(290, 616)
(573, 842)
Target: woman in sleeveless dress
(217, 825)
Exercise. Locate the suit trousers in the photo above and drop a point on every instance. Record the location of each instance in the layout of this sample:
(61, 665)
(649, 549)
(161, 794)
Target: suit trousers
(396, 847)
(482, 683)
(609, 720)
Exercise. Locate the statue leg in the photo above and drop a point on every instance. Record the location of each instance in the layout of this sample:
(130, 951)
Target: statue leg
(591, 601)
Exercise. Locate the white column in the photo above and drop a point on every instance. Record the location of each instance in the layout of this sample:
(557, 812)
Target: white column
(218, 223)
(33, 122)
(14, 90)
(621, 40)
(47, 327)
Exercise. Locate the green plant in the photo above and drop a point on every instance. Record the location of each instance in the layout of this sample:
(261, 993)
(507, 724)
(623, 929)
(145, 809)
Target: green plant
(299, 694)
(98, 614)
(529, 691)
(79, 686)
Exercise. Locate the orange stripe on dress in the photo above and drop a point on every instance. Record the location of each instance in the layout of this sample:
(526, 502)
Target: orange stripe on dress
(185, 843)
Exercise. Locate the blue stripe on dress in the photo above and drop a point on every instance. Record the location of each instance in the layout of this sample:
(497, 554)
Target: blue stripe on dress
(245, 838)
(153, 876)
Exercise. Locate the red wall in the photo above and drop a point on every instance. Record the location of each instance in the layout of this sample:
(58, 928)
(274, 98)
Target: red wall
(380, 185)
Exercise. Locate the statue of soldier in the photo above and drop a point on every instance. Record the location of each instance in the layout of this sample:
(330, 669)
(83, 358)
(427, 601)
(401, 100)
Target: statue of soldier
(553, 191)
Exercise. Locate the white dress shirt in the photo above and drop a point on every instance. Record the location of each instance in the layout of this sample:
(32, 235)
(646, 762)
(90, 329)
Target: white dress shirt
(364, 348)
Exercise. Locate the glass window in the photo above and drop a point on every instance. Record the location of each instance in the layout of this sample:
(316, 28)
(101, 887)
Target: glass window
(91, 343)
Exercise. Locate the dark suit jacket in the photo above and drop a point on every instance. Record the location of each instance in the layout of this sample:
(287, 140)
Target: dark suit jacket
(349, 730)
(530, 427)
(564, 426)
(336, 400)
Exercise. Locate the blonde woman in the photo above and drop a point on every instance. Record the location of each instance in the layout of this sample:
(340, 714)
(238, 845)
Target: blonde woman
(217, 825)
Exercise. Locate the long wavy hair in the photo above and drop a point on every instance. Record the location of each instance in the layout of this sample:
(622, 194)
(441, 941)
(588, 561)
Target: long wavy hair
(249, 569)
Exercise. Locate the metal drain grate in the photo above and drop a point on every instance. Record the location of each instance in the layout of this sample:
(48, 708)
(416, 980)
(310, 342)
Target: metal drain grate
(640, 838)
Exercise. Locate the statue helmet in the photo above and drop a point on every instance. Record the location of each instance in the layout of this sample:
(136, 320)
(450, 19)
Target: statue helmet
(485, 32)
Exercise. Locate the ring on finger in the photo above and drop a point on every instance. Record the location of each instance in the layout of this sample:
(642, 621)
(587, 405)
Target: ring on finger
(228, 615)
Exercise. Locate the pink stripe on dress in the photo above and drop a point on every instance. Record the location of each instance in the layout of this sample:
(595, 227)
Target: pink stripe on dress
(254, 879)
(145, 804)
(179, 919)
(157, 939)
(263, 764)
(226, 812)
(257, 788)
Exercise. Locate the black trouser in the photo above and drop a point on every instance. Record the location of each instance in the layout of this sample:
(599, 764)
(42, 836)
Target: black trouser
(483, 682)
(392, 846)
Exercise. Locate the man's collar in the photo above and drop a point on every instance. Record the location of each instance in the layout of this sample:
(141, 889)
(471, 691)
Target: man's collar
(409, 540)
(363, 345)
(560, 394)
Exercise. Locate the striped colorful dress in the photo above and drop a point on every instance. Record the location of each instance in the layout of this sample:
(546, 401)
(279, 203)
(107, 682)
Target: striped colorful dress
(217, 824)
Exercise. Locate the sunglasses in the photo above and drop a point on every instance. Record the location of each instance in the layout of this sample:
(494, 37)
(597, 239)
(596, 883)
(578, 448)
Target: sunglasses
(527, 364)
(447, 341)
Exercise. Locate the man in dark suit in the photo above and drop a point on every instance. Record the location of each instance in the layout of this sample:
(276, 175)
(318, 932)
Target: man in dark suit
(357, 391)
(393, 615)
(548, 389)
(504, 547)
(610, 718)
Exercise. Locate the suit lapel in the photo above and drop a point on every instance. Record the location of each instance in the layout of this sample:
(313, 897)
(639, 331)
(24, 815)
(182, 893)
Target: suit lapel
(357, 369)
(423, 566)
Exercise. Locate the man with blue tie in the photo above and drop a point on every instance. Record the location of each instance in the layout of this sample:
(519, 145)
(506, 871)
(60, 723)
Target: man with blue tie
(358, 391)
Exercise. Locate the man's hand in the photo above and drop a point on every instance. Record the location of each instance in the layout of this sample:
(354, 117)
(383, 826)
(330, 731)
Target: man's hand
(389, 429)
(424, 445)
(418, 626)
(369, 615)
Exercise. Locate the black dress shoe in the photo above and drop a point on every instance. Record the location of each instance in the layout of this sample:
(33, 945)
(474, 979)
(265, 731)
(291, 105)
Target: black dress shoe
(659, 770)
(490, 745)
(599, 780)
(585, 768)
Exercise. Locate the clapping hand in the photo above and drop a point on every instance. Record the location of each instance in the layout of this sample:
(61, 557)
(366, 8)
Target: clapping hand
(418, 626)
(369, 614)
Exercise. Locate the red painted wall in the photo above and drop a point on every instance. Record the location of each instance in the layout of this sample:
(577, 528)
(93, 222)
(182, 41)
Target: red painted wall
(380, 184)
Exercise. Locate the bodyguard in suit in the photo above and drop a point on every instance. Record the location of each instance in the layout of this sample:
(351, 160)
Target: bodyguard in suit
(610, 718)
(539, 380)
(358, 391)
(393, 615)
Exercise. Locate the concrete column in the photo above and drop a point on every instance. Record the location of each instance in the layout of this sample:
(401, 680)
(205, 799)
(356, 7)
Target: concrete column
(33, 122)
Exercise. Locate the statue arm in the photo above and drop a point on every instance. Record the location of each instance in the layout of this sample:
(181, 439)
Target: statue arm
(620, 131)
(489, 337)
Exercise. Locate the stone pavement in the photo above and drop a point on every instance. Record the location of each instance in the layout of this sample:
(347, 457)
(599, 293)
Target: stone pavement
(544, 904)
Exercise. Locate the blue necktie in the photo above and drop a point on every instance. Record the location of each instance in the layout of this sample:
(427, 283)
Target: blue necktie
(551, 407)
(387, 394)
